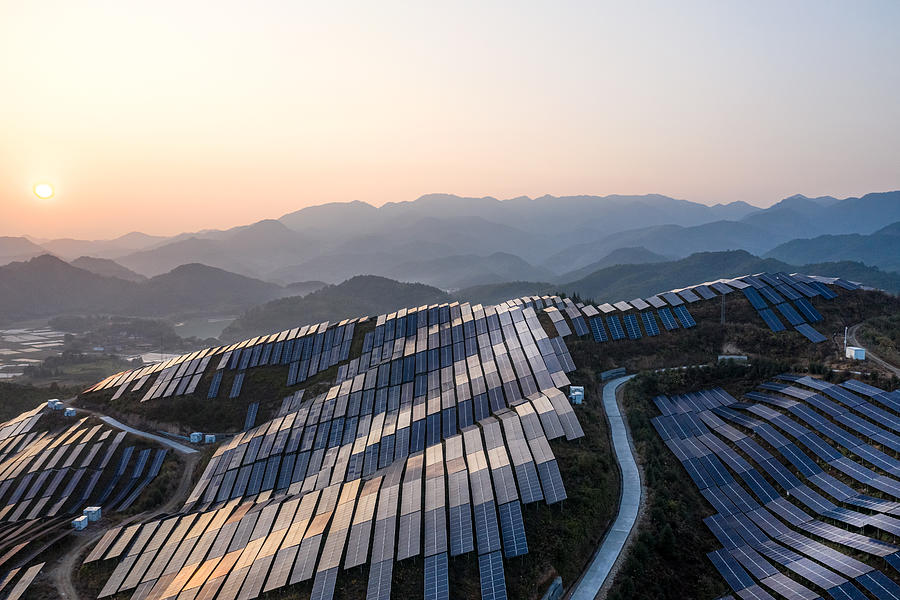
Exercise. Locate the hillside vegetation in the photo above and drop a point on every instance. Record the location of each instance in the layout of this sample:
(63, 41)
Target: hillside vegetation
(880, 249)
(631, 281)
(359, 296)
(47, 286)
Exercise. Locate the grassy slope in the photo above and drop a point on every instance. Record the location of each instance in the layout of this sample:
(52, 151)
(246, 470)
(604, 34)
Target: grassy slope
(16, 398)
(882, 335)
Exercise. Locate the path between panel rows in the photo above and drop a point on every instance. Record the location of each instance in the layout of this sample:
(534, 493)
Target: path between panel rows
(613, 545)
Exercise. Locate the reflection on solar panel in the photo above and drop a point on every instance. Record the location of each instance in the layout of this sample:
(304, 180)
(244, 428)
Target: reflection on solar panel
(667, 318)
(650, 325)
(684, 316)
(432, 434)
(810, 333)
(632, 327)
(689, 295)
(615, 327)
(771, 320)
(672, 298)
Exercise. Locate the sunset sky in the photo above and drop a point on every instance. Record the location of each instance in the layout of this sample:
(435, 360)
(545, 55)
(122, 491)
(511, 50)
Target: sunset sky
(170, 116)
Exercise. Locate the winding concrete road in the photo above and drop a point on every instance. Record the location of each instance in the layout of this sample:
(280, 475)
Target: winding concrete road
(179, 448)
(616, 538)
(854, 341)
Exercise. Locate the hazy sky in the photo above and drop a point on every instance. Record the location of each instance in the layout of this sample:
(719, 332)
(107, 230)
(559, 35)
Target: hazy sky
(166, 116)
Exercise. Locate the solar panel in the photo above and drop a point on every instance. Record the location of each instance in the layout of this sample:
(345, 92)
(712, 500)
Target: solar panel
(650, 324)
(808, 310)
(615, 327)
(554, 490)
(771, 295)
(236, 386)
(437, 581)
(823, 290)
(632, 327)
(689, 295)
(810, 333)
(667, 318)
(493, 582)
(755, 299)
(705, 292)
(251, 415)
(684, 316)
(598, 330)
(789, 313)
(513, 530)
(379, 586)
(487, 531)
(771, 320)
(214, 385)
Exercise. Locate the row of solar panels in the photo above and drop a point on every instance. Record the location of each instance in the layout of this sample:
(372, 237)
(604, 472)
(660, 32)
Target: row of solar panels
(14, 584)
(324, 345)
(468, 435)
(796, 314)
(52, 474)
(310, 349)
(751, 526)
(473, 486)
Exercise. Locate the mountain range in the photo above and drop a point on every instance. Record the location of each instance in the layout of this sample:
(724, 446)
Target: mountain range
(880, 249)
(454, 242)
(370, 295)
(46, 286)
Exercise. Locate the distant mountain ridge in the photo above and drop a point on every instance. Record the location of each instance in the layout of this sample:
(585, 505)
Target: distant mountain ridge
(544, 238)
(47, 286)
(361, 295)
(107, 268)
(880, 249)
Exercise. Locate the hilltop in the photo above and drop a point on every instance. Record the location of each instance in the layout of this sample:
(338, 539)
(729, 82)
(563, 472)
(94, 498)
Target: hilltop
(360, 295)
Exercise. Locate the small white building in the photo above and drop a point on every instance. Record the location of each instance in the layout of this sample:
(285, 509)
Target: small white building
(855, 353)
(209, 439)
(80, 523)
(69, 412)
(196, 437)
(54, 404)
(93, 513)
(576, 394)
(732, 357)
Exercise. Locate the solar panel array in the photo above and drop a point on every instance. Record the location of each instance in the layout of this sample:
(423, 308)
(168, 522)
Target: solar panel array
(49, 472)
(789, 295)
(427, 442)
(807, 453)
(312, 349)
(429, 446)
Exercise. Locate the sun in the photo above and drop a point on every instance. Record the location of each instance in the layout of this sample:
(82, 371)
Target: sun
(43, 191)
